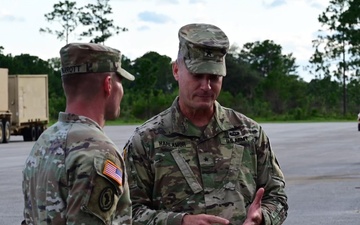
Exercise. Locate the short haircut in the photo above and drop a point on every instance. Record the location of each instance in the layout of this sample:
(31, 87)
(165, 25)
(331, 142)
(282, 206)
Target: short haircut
(85, 85)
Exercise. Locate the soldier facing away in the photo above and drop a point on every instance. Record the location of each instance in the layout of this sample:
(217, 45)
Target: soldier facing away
(199, 162)
(75, 173)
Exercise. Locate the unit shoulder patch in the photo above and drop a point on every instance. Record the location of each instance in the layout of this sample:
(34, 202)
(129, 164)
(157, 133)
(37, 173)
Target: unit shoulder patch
(106, 199)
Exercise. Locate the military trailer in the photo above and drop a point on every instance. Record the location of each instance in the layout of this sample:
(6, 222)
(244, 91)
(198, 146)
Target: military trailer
(24, 107)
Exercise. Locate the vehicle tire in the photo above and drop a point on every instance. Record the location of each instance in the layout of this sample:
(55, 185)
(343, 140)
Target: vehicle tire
(39, 131)
(33, 133)
(26, 134)
(6, 133)
(1, 132)
(29, 134)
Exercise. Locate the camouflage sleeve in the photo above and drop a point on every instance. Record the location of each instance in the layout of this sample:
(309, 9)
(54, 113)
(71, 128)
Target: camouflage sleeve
(96, 184)
(270, 176)
(124, 209)
(141, 176)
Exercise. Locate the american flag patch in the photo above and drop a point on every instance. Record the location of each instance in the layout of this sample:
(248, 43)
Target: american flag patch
(111, 170)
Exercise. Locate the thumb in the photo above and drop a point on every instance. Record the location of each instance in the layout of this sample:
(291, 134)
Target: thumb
(259, 195)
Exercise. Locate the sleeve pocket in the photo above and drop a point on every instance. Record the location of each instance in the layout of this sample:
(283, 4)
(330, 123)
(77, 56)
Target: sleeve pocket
(104, 195)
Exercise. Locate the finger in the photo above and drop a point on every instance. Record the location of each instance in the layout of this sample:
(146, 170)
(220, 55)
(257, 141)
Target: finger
(259, 195)
(217, 219)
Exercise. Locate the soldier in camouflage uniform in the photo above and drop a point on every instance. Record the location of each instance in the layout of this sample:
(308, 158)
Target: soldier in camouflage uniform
(75, 173)
(198, 162)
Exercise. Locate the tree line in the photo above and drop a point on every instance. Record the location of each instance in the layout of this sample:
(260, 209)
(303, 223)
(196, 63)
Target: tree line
(261, 81)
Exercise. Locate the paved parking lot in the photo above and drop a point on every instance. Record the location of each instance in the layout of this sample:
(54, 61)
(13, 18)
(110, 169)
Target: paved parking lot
(321, 163)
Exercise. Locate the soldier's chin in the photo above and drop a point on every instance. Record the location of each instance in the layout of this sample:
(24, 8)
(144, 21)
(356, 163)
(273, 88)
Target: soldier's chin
(113, 116)
(204, 105)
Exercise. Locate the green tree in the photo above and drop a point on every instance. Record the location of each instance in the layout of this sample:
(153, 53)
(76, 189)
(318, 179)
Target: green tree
(276, 69)
(27, 64)
(6, 61)
(240, 78)
(266, 57)
(154, 86)
(325, 96)
(65, 13)
(55, 84)
(350, 20)
(100, 27)
(57, 100)
(160, 68)
(145, 82)
(336, 48)
(354, 96)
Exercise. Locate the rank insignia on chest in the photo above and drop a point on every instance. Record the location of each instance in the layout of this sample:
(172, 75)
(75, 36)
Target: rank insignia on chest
(113, 171)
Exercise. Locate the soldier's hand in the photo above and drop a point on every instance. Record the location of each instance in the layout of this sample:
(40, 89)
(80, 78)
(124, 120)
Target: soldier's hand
(254, 216)
(203, 219)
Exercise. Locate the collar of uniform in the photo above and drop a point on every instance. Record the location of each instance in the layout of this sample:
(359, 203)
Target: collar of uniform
(73, 118)
(180, 124)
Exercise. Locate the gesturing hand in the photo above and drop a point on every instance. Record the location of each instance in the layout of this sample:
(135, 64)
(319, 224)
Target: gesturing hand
(203, 219)
(254, 216)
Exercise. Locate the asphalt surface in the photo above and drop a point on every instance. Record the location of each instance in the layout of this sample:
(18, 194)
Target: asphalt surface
(320, 161)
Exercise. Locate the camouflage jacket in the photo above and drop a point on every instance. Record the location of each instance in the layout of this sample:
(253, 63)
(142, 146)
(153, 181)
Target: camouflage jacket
(75, 175)
(176, 169)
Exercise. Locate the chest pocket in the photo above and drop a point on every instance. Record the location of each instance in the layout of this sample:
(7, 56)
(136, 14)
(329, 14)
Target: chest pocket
(187, 172)
(176, 177)
(241, 163)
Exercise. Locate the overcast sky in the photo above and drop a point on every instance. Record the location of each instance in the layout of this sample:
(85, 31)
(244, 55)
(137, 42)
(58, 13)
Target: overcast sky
(153, 25)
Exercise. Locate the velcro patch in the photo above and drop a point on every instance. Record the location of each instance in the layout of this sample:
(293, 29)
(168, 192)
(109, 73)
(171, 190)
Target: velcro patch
(113, 171)
(106, 199)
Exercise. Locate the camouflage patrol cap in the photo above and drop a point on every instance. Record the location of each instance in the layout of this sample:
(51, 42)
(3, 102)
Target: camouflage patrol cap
(203, 47)
(91, 58)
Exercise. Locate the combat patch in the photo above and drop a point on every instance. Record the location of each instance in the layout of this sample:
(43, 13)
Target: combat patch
(113, 171)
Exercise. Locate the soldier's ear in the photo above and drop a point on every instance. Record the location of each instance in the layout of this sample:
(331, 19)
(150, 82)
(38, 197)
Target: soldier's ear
(175, 69)
(107, 85)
